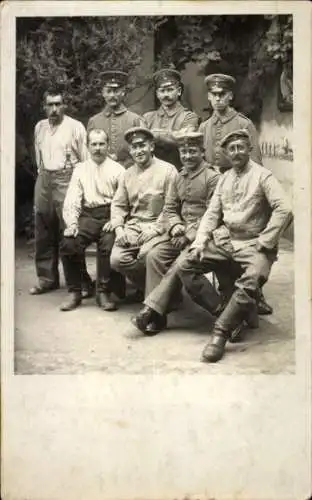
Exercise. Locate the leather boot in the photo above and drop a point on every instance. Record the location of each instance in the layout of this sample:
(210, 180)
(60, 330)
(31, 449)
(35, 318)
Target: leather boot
(158, 324)
(228, 321)
(214, 350)
(238, 333)
(141, 320)
(263, 307)
(252, 318)
(73, 301)
(88, 290)
(105, 302)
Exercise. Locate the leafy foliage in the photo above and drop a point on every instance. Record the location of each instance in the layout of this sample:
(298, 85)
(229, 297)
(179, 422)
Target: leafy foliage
(248, 47)
(77, 50)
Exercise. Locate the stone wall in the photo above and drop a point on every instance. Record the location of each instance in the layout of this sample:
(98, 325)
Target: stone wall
(276, 140)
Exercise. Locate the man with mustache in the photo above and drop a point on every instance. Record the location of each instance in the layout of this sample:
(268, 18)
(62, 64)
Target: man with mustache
(186, 202)
(87, 218)
(170, 117)
(60, 143)
(251, 204)
(116, 118)
(137, 208)
(226, 119)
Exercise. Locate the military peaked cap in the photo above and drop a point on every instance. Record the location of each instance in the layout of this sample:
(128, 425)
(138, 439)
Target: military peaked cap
(220, 82)
(166, 77)
(115, 78)
(189, 139)
(233, 136)
(138, 133)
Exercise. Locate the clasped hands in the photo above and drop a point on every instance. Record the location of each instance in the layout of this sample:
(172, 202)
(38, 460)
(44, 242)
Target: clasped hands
(123, 239)
(178, 238)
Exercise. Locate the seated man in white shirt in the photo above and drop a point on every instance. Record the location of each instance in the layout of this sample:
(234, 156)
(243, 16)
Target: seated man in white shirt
(86, 215)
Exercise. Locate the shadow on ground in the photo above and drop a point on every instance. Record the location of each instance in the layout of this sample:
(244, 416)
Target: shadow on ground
(88, 340)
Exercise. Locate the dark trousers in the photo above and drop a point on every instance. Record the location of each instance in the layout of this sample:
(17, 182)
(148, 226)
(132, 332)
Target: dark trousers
(255, 268)
(50, 191)
(90, 230)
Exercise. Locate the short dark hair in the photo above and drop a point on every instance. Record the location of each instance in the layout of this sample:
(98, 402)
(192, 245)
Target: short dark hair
(97, 131)
(54, 90)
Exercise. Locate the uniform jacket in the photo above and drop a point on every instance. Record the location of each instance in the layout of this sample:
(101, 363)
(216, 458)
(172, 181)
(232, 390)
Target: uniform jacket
(189, 197)
(252, 206)
(115, 125)
(216, 128)
(140, 197)
(171, 120)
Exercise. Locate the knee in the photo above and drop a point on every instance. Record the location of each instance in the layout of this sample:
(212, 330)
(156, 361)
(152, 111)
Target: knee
(184, 265)
(250, 284)
(68, 246)
(105, 245)
(115, 259)
(120, 259)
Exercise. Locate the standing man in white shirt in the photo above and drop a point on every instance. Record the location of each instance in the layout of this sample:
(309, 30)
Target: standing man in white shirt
(60, 143)
(87, 219)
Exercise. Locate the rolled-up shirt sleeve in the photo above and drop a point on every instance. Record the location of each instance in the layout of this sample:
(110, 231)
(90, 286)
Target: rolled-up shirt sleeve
(211, 218)
(120, 207)
(281, 214)
(81, 143)
(36, 145)
(73, 201)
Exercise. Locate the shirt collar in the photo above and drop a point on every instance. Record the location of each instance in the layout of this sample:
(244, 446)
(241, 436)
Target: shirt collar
(108, 112)
(194, 173)
(140, 169)
(243, 172)
(96, 165)
(54, 128)
(172, 111)
(230, 113)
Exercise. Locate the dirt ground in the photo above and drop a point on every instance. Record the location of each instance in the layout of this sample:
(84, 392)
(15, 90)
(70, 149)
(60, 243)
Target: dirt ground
(48, 341)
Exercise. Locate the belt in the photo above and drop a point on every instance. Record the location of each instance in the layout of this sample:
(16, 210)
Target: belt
(58, 171)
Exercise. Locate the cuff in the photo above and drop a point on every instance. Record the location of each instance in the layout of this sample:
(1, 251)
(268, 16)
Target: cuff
(117, 223)
(174, 225)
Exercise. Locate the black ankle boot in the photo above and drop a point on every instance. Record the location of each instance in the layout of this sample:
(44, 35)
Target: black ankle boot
(214, 350)
(158, 324)
(72, 302)
(105, 301)
(142, 319)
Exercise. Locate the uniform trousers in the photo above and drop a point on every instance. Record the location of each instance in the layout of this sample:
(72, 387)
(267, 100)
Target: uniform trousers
(255, 268)
(90, 224)
(130, 261)
(50, 191)
(163, 284)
